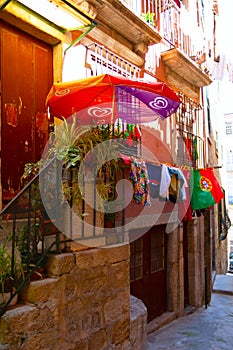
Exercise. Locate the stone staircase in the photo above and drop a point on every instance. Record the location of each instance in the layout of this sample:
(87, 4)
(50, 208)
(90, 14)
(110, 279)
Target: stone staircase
(83, 303)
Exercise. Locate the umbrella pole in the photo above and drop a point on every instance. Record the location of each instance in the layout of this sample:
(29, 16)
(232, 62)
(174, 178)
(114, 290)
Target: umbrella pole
(113, 104)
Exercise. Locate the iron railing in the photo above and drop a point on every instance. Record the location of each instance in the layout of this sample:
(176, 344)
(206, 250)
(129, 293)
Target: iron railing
(190, 134)
(31, 229)
(165, 17)
(101, 60)
(59, 207)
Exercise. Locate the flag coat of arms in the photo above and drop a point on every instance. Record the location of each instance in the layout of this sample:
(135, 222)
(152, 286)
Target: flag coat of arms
(205, 190)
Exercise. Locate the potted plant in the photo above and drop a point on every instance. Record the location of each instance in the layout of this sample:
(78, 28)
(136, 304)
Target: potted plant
(9, 275)
(27, 244)
(149, 18)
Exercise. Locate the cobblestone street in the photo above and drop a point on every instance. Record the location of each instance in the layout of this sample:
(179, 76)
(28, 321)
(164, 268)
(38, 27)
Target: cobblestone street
(205, 329)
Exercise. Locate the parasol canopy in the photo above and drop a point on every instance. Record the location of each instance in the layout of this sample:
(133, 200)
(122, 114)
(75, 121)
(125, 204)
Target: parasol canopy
(103, 99)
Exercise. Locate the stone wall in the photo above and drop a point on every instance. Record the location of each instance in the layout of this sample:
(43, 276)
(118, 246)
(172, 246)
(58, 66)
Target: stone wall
(138, 324)
(175, 278)
(83, 304)
(220, 247)
(196, 264)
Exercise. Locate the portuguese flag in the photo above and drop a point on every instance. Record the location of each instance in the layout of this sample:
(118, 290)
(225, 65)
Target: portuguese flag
(205, 190)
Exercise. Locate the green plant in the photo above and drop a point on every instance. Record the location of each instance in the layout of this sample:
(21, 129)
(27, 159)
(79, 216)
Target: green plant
(8, 273)
(148, 17)
(72, 145)
(26, 241)
(5, 266)
(33, 261)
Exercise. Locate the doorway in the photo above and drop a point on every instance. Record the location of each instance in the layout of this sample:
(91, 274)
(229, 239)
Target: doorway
(26, 77)
(148, 270)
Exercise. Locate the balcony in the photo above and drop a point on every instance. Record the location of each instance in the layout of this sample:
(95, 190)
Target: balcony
(124, 26)
(179, 31)
(189, 134)
(125, 31)
(184, 73)
(100, 61)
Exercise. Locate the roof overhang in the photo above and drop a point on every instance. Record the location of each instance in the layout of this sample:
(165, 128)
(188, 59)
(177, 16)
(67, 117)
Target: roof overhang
(45, 25)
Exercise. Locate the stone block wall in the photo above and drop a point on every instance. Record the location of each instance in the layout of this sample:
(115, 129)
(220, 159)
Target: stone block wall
(84, 304)
(220, 247)
(138, 324)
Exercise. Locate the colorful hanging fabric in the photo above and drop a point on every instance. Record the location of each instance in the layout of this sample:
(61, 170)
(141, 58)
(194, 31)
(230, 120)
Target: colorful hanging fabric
(165, 183)
(195, 155)
(139, 177)
(188, 147)
(174, 188)
(131, 134)
(184, 207)
(172, 185)
(205, 190)
(177, 186)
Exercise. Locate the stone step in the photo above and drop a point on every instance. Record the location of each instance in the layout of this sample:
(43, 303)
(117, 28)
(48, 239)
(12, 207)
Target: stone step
(39, 291)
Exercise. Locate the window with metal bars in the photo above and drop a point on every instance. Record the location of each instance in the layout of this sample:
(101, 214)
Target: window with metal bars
(228, 128)
(136, 259)
(190, 132)
(102, 61)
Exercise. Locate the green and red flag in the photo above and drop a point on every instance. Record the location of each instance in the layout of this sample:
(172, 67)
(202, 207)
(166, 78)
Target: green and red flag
(205, 190)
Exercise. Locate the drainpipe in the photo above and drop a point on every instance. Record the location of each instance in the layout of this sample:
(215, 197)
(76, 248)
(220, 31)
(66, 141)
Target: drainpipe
(4, 4)
(89, 28)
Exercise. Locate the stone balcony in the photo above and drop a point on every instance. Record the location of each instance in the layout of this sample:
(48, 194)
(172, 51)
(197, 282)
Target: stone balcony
(125, 31)
(183, 73)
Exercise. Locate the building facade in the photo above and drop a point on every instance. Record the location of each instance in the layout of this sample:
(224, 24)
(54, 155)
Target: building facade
(229, 167)
(174, 250)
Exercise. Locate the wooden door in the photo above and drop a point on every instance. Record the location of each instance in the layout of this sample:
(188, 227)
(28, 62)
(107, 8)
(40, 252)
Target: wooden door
(148, 270)
(26, 77)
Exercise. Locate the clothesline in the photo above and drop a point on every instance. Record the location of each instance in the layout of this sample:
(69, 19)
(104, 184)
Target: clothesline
(181, 166)
(160, 181)
(140, 159)
(168, 183)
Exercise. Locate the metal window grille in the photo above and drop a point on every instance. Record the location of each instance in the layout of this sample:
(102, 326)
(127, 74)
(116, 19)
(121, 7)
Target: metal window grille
(164, 16)
(102, 61)
(190, 132)
(228, 128)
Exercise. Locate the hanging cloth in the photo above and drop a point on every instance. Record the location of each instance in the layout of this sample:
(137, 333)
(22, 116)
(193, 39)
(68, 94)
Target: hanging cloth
(154, 174)
(165, 183)
(188, 147)
(184, 207)
(139, 177)
(174, 188)
(177, 185)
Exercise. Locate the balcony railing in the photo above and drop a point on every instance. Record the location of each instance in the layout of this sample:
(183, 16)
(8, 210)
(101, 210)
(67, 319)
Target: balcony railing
(103, 61)
(190, 133)
(165, 17)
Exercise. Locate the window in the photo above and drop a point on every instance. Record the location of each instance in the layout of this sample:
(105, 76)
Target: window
(136, 259)
(228, 128)
(157, 252)
(190, 133)
(102, 61)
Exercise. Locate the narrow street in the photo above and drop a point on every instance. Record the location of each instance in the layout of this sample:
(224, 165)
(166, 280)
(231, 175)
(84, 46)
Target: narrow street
(205, 329)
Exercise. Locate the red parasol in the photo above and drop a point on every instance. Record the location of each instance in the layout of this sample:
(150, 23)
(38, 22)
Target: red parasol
(104, 98)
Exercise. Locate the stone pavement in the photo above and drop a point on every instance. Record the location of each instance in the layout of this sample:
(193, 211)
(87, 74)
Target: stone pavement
(205, 329)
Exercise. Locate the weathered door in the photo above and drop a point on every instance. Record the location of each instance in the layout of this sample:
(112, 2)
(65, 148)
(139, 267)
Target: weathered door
(148, 270)
(26, 77)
